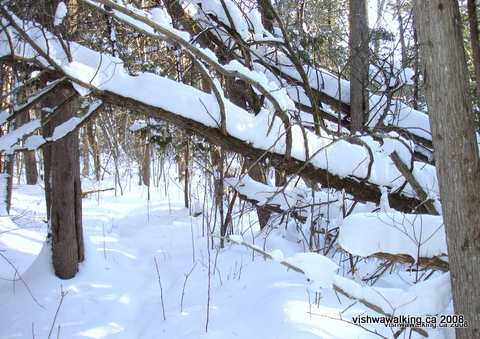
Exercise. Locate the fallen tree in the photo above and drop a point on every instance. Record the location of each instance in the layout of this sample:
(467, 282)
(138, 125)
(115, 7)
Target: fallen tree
(308, 86)
(92, 71)
(392, 230)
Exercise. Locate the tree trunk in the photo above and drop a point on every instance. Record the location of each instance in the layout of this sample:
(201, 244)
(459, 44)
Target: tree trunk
(257, 173)
(94, 145)
(146, 161)
(456, 151)
(62, 163)
(359, 63)
(217, 155)
(85, 154)
(401, 30)
(186, 176)
(416, 69)
(280, 178)
(31, 173)
(236, 91)
(474, 40)
(9, 161)
(267, 15)
(63, 189)
(378, 35)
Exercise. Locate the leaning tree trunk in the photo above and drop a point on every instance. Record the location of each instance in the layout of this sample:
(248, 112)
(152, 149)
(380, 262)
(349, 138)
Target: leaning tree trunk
(358, 43)
(456, 150)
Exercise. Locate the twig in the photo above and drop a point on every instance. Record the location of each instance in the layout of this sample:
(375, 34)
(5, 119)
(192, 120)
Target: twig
(84, 194)
(161, 290)
(185, 284)
(62, 296)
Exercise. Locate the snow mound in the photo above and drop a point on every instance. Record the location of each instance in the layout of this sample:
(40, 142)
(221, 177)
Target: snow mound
(417, 235)
(319, 270)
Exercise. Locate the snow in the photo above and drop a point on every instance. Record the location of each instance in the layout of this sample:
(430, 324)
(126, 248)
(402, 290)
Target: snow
(279, 94)
(319, 270)
(60, 13)
(64, 128)
(41, 92)
(400, 114)
(116, 294)
(34, 141)
(7, 141)
(137, 125)
(4, 116)
(106, 73)
(277, 255)
(265, 194)
(392, 232)
(236, 238)
(247, 22)
(427, 297)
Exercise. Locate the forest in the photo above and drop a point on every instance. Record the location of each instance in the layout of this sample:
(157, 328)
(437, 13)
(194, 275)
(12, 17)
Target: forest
(219, 169)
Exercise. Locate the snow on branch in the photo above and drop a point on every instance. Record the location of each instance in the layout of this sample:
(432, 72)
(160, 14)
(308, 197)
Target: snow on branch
(9, 140)
(265, 194)
(18, 108)
(403, 238)
(360, 169)
(328, 87)
(9, 143)
(427, 297)
(409, 238)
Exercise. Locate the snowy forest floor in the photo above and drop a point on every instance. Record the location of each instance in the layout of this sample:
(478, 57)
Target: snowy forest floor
(116, 293)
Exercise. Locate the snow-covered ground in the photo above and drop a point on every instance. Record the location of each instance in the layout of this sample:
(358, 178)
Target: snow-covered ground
(116, 293)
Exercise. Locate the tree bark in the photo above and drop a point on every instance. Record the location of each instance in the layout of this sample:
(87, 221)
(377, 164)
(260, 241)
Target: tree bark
(85, 154)
(146, 159)
(266, 14)
(9, 161)
(62, 167)
(218, 158)
(258, 173)
(238, 94)
(359, 63)
(94, 145)
(474, 40)
(456, 151)
(63, 189)
(401, 30)
(31, 173)
(378, 35)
